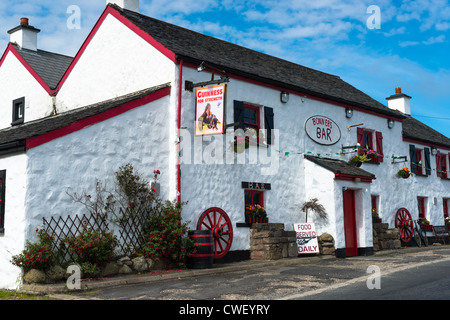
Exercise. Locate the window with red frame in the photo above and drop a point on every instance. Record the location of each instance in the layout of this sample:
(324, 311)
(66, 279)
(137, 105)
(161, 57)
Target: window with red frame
(418, 161)
(2, 200)
(253, 197)
(374, 151)
(421, 207)
(445, 208)
(441, 165)
(251, 117)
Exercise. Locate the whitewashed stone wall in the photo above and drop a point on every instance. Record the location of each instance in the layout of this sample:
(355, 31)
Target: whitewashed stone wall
(13, 240)
(115, 62)
(16, 82)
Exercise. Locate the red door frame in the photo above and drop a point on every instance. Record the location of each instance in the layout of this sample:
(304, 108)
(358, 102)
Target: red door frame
(351, 245)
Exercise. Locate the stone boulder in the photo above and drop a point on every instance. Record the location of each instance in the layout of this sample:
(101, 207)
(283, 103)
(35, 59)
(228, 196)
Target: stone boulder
(139, 264)
(35, 276)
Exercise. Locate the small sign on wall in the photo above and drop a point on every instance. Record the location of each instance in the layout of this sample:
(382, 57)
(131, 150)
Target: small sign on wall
(306, 237)
(210, 110)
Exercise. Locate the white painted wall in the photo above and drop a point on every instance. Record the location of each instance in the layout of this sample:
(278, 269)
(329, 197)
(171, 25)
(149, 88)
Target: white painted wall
(116, 62)
(138, 136)
(16, 82)
(297, 180)
(12, 241)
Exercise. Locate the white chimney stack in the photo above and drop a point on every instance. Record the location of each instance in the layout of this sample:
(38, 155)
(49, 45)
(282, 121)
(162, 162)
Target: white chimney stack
(24, 35)
(132, 5)
(400, 101)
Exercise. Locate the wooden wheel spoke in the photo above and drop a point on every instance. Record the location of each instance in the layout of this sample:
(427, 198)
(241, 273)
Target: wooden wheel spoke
(217, 220)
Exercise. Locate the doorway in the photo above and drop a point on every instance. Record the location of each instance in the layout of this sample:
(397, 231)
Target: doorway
(351, 246)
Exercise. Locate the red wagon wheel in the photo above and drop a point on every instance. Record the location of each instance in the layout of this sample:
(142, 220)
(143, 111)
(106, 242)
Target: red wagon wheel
(405, 224)
(216, 220)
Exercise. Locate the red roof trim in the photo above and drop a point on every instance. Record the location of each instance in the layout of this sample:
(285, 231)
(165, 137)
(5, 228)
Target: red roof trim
(301, 94)
(110, 10)
(424, 143)
(349, 177)
(76, 126)
(38, 78)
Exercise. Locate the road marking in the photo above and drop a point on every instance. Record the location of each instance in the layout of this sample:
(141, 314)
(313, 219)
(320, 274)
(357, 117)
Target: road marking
(359, 279)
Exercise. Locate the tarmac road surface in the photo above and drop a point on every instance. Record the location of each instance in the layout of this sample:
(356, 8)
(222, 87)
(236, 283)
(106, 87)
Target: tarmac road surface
(310, 278)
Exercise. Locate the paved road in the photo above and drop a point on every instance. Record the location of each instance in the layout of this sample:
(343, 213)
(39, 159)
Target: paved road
(405, 274)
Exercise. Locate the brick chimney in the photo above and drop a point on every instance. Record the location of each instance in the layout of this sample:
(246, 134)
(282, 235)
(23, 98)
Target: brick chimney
(132, 5)
(400, 101)
(24, 35)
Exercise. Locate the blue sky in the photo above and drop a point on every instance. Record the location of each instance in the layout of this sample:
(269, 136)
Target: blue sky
(410, 49)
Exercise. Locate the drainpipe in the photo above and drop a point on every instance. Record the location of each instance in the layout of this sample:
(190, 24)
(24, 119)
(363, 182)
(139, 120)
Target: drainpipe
(180, 91)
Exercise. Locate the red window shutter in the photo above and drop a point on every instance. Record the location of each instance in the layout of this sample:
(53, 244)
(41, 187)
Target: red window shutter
(379, 140)
(360, 139)
(439, 168)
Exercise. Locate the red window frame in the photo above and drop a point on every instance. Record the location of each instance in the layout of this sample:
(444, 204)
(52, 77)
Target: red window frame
(365, 138)
(418, 161)
(374, 202)
(249, 121)
(2, 200)
(444, 166)
(421, 207)
(250, 195)
(445, 204)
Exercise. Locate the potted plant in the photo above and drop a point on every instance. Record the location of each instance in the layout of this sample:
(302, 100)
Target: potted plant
(447, 222)
(425, 224)
(371, 155)
(256, 214)
(375, 217)
(357, 161)
(404, 173)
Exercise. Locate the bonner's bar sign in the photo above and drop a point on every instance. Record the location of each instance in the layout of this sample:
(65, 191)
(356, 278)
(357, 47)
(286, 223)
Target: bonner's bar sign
(322, 130)
(256, 186)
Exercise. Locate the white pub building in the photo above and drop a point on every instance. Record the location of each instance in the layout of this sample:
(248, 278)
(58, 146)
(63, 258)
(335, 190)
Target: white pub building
(162, 97)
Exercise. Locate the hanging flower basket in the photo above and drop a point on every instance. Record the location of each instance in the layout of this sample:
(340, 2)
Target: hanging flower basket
(404, 173)
(357, 161)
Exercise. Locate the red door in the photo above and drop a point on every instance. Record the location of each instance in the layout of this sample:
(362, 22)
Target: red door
(351, 248)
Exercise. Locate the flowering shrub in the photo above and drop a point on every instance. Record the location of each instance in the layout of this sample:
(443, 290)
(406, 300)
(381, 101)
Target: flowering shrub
(37, 255)
(92, 246)
(165, 237)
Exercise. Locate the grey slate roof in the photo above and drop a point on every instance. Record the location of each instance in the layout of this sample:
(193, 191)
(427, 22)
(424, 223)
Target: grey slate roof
(340, 166)
(48, 65)
(45, 125)
(414, 129)
(196, 47)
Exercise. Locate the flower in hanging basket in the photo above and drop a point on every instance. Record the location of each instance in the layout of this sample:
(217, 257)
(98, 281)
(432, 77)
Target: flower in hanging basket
(358, 160)
(404, 173)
